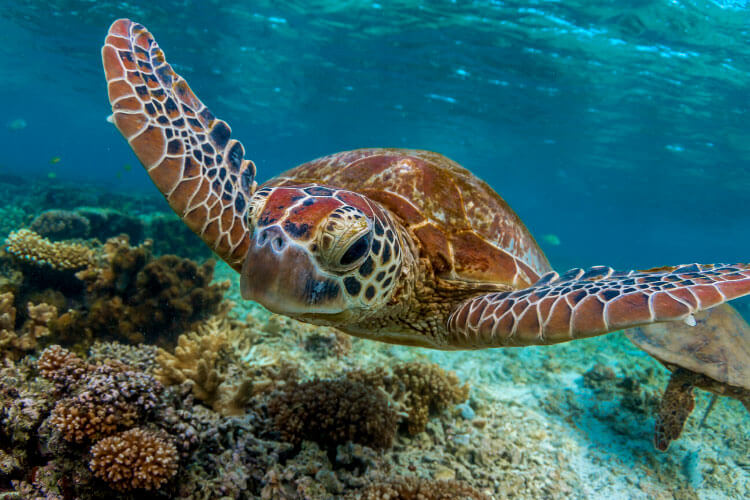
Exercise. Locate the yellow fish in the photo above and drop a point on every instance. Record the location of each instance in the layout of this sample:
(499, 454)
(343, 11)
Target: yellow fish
(51, 175)
(127, 167)
(55, 159)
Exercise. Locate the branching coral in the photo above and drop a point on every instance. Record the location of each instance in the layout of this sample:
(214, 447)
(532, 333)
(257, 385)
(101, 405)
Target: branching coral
(7, 320)
(423, 389)
(131, 296)
(196, 360)
(134, 459)
(333, 412)
(62, 367)
(411, 488)
(208, 361)
(29, 247)
(14, 343)
(104, 398)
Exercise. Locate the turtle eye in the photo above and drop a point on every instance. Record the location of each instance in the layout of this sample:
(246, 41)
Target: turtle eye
(356, 250)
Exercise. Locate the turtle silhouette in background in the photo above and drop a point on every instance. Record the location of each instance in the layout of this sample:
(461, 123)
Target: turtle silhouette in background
(713, 355)
(396, 245)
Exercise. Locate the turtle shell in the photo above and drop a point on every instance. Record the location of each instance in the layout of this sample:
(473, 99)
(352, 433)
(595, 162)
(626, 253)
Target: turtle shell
(463, 227)
(718, 346)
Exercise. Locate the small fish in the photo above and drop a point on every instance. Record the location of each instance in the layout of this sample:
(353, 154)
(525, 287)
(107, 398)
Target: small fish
(17, 124)
(552, 239)
(127, 167)
(52, 175)
(55, 160)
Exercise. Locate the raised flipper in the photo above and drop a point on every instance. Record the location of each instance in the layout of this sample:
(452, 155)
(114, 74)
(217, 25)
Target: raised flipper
(584, 303)
(186, 150)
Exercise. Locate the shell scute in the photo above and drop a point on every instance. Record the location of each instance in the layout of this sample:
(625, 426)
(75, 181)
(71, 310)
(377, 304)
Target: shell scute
(461, 225)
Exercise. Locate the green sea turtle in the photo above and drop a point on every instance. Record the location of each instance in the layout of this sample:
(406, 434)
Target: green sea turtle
(397, 245)
(715, 356)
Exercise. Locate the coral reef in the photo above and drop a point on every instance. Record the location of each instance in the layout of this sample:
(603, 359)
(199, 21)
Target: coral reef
(131, 296)
(333, 412)
(60, 225)
(196, 361)
(134, 459)
(15, 342)
(411, 488)
(29, 247)
(423, 389)
(104, 398)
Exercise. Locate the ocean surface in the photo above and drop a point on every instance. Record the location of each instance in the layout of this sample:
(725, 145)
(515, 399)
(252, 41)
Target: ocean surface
(619, 131)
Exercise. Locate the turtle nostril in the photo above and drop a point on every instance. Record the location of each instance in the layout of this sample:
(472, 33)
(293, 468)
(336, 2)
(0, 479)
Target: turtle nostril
(277, 244)
(271, 236)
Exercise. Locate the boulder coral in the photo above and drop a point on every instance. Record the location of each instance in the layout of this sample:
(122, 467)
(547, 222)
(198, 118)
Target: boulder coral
(334, 412)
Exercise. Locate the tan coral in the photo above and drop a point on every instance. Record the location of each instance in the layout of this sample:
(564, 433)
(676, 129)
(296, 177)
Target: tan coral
(134, 459)
(7, 320)
(196, 360)
(27, 246)
(36, 327)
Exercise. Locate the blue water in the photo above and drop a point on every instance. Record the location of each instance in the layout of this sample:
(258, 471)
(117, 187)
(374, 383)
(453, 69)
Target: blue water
(622, 129)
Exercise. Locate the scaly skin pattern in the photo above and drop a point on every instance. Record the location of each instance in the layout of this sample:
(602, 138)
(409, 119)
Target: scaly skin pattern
(186, 151)
(587, 303)
(401, 246)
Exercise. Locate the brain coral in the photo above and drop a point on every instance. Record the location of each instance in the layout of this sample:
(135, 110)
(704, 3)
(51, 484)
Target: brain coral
(332, 412)
(27, 246)
(60, 225)
(134, 459)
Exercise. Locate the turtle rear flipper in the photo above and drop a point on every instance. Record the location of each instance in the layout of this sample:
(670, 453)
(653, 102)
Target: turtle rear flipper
(677, 403)
(585, 303)
(185, 149)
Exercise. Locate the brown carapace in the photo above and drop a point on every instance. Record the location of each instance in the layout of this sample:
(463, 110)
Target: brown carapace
(396, 245)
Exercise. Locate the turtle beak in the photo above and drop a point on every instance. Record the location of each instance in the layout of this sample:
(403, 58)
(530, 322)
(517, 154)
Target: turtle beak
(283, 277)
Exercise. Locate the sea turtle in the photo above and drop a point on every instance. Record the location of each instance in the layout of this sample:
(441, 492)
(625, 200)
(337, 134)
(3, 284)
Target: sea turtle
(715, 356)
(397, 245)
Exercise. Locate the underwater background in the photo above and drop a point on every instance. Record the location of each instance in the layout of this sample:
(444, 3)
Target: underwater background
(618, 131)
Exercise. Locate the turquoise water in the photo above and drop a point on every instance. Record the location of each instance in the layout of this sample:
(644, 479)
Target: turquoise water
(619, 132)
(621, 128)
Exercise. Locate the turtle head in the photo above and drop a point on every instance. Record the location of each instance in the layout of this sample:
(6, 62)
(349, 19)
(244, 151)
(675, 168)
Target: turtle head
(318, 252)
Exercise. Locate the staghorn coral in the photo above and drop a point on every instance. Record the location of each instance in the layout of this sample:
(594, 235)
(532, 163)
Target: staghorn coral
(423, 389)
(32, 249)
(412, 488)
(134, 459)
(60, 225)
(333, 412)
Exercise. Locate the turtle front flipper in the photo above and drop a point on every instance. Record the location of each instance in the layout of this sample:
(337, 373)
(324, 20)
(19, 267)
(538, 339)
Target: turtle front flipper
(185, 149)
(585, 303)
